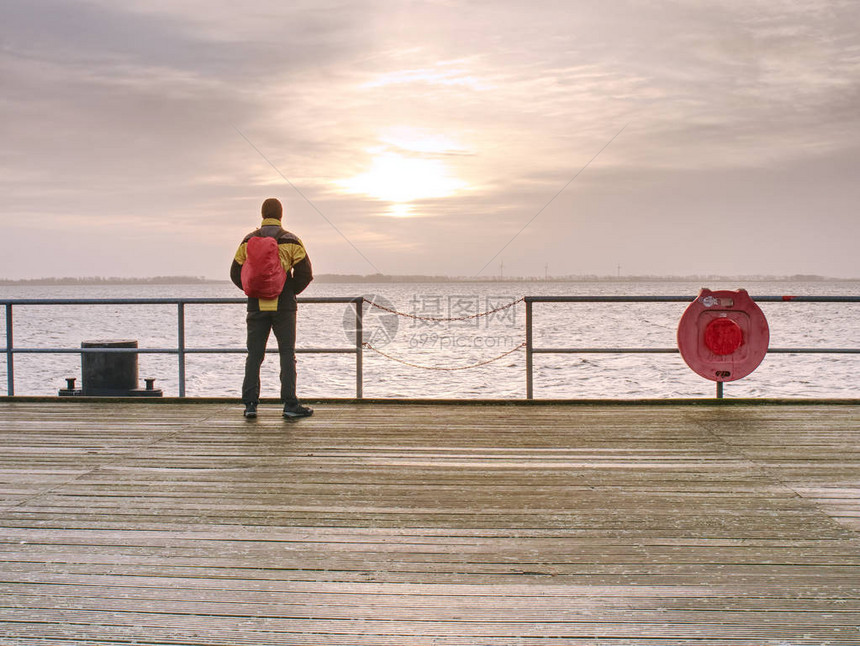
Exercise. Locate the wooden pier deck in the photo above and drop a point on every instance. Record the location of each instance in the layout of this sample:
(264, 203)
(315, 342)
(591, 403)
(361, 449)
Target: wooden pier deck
(407, 524)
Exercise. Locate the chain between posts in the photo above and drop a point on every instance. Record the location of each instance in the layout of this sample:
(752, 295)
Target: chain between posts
(441, 319)
(443, 368)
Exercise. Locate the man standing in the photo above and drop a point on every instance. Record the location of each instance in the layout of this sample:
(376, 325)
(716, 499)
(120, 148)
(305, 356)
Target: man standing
(278, 314)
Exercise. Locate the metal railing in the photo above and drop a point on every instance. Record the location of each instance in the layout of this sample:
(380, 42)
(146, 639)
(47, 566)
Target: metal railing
(182, 350)
(531, 350)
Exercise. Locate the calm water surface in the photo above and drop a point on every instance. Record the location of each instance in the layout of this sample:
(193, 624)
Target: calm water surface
(422, 352)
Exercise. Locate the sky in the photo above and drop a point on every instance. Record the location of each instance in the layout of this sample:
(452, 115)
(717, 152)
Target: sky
(441, 137)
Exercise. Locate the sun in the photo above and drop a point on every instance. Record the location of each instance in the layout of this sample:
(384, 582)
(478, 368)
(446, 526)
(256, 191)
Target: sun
(400, 180)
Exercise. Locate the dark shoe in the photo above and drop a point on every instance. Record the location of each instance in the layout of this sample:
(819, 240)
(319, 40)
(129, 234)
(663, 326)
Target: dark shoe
(250, 411)
(297, 410)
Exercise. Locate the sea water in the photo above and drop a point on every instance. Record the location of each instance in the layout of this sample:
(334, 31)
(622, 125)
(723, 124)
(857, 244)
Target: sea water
(469, 357)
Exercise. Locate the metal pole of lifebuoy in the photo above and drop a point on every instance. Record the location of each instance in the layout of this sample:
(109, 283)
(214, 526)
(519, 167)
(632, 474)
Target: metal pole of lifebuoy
(10, 362)
(180, 346)
(719, 390)
(359, 346)
(529, 356)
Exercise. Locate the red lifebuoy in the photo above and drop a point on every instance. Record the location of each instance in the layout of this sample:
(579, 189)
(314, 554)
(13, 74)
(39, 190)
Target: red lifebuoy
(723, 335)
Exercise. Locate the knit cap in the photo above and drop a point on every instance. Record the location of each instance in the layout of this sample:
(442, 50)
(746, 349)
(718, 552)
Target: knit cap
(272, 209)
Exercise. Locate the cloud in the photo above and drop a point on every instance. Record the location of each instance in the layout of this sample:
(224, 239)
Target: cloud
(129, 111)
(443, 73)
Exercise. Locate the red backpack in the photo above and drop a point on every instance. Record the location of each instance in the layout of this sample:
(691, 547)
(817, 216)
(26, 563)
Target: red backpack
(263, 276)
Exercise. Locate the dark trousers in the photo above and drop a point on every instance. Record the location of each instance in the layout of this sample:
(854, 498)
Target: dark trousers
(284, 325)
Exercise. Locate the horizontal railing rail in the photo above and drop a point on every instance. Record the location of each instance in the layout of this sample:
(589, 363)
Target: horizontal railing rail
(181, 350)
(531, 350)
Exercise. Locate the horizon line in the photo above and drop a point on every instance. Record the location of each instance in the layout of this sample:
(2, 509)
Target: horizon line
(379, 277)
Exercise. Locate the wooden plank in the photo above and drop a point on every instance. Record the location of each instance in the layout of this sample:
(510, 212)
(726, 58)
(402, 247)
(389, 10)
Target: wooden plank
(417, 524)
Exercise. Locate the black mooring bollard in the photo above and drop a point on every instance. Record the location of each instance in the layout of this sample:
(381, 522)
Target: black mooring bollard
(108, 373)
(111, 373)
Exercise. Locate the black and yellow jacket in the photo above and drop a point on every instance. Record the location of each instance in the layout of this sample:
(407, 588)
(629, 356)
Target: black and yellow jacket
(294, 260)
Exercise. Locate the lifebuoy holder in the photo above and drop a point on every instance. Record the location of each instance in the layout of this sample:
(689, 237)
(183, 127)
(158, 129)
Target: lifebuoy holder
(723, 335)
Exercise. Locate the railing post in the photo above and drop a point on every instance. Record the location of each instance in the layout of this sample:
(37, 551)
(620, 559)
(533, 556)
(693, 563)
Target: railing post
(10, 362)
(181, 346)
(359, 347)
(529, 366)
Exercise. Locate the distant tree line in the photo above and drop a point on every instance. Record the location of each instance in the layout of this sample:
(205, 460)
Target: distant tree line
(384, 278)
(111, 280)
(414, 278)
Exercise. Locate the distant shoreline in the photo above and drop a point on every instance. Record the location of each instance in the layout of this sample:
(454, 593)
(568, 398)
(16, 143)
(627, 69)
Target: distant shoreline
(381, 278)
(95, 280)
(585, 278)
